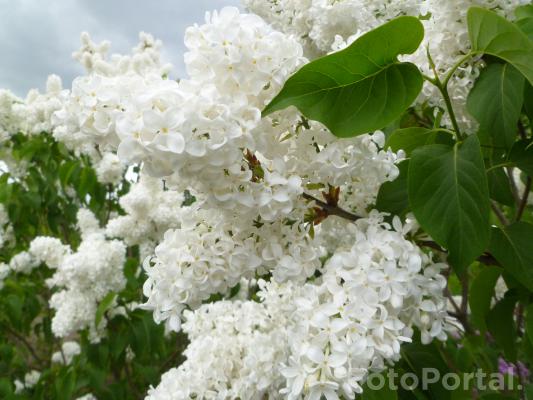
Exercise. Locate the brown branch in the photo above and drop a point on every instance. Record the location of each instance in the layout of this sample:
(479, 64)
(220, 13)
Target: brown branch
(499, 213)
(523, 201)
(512, 184)
(332, 210)
(27, 344)
(486, 258)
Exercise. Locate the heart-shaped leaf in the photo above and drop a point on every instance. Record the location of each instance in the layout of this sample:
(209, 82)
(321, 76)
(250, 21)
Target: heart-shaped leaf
(501, 324)
(481, 294)
(408, 139)
(499, 186)
(448, 193)
(524, 19)
(511, 246)
(496, 101)
(491, 34)
(361, 88)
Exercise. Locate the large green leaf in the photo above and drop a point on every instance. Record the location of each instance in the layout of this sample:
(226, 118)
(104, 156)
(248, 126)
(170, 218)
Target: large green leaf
(448, 193)
(408, 139)
(524, 19)
(511, 246)
(377, 392)
(418, 357)
(481, 293)
(522, 156)
(491, 34)
(496, 101)
(499, 187)
(528, 101)
(500, 322)
(361, 88)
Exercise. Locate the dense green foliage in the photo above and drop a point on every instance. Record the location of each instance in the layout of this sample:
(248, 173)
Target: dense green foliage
(44, 201)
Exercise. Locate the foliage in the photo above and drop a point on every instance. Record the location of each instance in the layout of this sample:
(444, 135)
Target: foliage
(44, 202)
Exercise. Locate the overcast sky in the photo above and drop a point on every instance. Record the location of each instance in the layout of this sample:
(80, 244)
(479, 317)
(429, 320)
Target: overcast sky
(37, 37)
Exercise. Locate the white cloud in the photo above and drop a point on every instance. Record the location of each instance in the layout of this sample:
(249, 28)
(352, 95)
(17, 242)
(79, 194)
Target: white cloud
(37, 38)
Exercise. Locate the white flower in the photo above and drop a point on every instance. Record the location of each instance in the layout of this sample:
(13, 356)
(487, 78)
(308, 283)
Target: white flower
(23, 262)
(48, 250)
(68, 351)
(31, 379)
(85, 277)
(109, 169)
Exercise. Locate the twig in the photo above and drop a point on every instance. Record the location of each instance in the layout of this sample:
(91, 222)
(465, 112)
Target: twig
(499, 213)
(512, 183)
(23, 340)
(485, 258)
(332, 210)
(523, 201)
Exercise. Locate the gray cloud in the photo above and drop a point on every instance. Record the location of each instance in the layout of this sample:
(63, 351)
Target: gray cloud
(37, 38)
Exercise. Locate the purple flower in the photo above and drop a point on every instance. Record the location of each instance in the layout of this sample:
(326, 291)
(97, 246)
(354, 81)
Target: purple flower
(505, 367)
(520, 368)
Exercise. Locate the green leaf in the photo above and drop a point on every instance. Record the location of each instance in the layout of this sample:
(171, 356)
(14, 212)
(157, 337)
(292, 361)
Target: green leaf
(408, 139)
(491, 34)
(522, 156)
(361, 88)
(496, 101)
(384, 393)
(104, 305)
(392, 196)
(500, 323)
(481, 293)
(419, 357)
(524, 19)
(448, 193)
(499, 187)
(528, 101)
(511, 246)
(87, 182)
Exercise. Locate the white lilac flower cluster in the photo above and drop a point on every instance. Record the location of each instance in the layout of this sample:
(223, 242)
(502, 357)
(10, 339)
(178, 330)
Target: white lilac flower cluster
(33, 114)
(319, 338)
(47, 250)
(11, 118)
(109, 169)
(30, 380)
(211, 253)
(244, 225)
(239, 346)
(150, 210)
(84, 277)
(69, 350)
(6, 229)
(326, 25)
